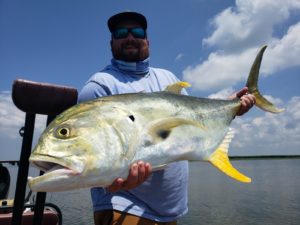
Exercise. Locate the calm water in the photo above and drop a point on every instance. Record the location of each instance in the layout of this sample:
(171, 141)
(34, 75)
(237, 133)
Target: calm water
(273, 197)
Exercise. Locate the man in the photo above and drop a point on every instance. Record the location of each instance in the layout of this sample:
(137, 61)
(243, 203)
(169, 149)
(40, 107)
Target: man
(159, 197)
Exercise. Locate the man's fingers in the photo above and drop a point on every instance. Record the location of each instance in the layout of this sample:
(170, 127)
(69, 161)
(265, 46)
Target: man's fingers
(132, 178)
(247, 101)
(138, 173)
(141, 172)
(242, 92)
(116, 185)
(148, 170)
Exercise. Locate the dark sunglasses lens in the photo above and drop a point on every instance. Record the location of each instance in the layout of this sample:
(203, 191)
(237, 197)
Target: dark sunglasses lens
(123, 33)
(120, 33)
(138, 32)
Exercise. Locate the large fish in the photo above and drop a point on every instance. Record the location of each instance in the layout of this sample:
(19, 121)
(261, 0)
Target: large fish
(93, 143)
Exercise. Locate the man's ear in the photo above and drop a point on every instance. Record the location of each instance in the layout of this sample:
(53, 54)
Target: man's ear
(111, 44)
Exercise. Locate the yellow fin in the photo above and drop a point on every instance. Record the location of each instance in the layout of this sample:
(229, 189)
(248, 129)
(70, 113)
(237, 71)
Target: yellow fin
(220, 160)
(177, 87)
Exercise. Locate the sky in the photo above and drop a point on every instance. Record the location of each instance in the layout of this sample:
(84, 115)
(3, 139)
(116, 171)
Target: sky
(209, 43)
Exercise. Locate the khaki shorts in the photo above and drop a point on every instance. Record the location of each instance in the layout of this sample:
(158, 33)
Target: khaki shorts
(113, 217)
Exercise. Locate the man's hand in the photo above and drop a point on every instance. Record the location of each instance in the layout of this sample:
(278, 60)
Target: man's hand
(138, 173)
(247, 100)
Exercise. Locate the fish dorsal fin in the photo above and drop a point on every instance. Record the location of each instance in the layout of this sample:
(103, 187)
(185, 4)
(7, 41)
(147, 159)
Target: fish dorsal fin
(220, 160)
(177, 87)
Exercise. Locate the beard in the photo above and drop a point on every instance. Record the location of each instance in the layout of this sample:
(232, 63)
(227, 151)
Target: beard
(131, 51)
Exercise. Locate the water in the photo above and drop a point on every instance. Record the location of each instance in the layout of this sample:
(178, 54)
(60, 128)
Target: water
(273, 197)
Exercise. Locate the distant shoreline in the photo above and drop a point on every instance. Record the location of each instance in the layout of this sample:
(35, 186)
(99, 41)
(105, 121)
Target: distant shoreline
(258, 157)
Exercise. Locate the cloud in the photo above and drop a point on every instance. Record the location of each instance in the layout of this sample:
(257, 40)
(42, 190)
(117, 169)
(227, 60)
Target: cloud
(179, 56)
(238, 34)
(269, 133)
(249, 23)
(284, 53)
(219, 71)
(11, 120)
(223, 94)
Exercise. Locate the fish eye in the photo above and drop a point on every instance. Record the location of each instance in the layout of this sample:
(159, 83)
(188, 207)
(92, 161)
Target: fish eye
(62, 132)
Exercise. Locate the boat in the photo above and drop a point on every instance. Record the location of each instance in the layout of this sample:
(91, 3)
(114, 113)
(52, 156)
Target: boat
(51, 214)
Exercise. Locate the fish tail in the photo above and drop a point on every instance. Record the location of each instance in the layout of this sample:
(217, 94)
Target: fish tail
(219, 158)
(261, 101)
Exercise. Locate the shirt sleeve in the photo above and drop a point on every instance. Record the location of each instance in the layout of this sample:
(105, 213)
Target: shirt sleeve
(92, 90)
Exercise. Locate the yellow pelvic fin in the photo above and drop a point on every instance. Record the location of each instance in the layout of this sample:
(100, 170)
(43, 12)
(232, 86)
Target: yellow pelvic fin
(261, 102)
(177, 87)
(220, 160)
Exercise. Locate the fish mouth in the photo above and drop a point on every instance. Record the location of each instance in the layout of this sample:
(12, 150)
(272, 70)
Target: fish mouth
(49, 167)
(52, 165)
(54, 172)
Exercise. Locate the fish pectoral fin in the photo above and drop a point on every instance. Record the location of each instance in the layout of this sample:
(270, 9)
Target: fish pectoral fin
(161, 129)
(220, 159)
(177, 87)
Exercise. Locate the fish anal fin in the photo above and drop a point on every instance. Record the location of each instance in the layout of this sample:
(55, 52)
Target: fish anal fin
(177, 87)
(220, 160)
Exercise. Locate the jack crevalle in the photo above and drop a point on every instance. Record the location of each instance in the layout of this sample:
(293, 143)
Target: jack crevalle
(93, 143)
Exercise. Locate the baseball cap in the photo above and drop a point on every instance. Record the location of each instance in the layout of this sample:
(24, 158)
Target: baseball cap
(116, 19)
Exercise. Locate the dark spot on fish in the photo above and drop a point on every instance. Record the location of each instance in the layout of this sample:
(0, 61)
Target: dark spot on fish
(164, 134)
(147, 143)
(132, 118)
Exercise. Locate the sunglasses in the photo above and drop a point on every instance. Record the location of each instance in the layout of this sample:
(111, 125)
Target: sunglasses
(136, 32)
